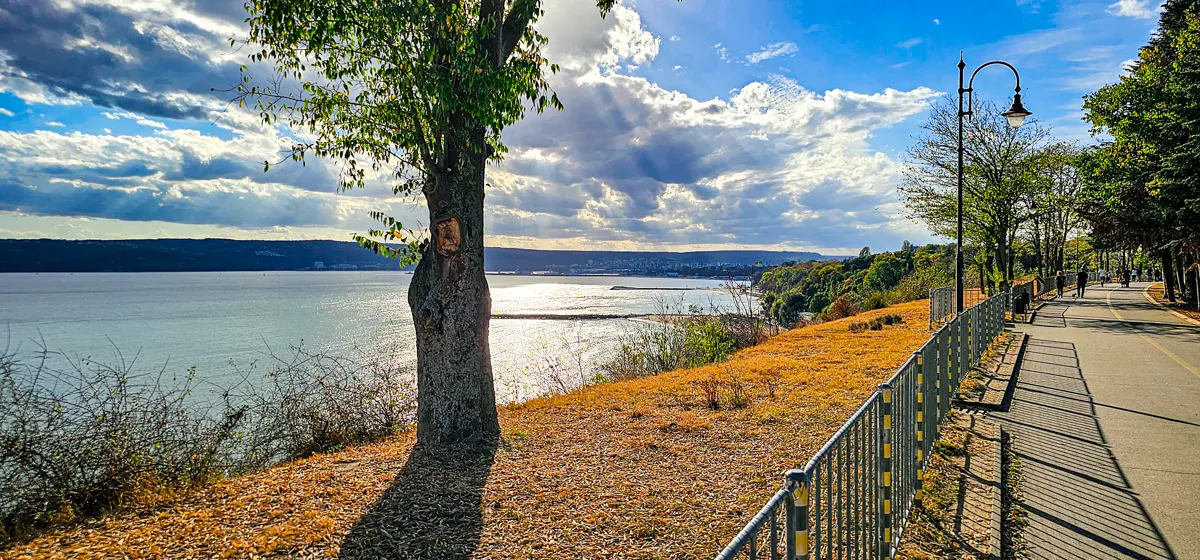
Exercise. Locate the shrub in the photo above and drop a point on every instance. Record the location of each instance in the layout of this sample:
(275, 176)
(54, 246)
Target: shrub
(710, 390)
(876, 323)
(79, 439)
(844, 306)
(874, 300)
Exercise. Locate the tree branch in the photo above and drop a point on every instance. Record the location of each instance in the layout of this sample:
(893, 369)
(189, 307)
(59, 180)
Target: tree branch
(514, 26)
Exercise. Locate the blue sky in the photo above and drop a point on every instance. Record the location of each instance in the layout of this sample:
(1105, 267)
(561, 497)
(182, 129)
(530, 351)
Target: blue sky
(701, 124)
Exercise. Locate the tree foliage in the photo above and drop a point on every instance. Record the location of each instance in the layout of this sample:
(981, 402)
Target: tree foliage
(867, 281)
(393, 89)
(996, 178)
(1143, 182)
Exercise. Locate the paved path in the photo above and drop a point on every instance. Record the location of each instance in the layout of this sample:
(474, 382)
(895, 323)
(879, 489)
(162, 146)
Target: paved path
(1106, 419)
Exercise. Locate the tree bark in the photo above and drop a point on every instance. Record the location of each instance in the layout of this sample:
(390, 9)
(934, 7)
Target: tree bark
(1164, 255)
(451, 307)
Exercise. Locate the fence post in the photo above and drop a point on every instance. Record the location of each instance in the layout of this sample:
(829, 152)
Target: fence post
(919, 482)
(797, 515)
(885, 474)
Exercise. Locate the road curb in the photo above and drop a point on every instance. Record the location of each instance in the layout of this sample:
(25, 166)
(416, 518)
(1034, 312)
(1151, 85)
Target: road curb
(1146, 294)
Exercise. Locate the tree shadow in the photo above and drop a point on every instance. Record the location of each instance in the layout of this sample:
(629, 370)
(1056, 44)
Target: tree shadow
(432, 509)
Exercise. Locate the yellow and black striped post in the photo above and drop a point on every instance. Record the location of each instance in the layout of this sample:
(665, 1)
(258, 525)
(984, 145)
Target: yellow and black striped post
(918, 482)
(885, 474)
(797, 545)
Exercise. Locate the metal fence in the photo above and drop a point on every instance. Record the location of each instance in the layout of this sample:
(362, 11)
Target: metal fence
(852, 499)
(941, 305)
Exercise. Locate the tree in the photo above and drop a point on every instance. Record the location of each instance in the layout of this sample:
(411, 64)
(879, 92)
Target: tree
(885, 272)
(1142, 183)
(1054, 203)
(417, 91)
(995, 183)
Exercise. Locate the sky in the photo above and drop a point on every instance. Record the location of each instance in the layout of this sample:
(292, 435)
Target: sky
(702, 124)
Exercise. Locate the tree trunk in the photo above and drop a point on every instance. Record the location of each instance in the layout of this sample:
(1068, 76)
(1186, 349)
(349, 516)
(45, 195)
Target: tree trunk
(452, 306)
(1168, 280)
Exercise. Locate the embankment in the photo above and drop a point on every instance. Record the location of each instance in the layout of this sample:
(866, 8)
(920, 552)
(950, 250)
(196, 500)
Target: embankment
(663, 467)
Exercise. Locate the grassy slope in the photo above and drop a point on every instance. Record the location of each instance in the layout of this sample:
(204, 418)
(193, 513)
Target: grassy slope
(636, 469)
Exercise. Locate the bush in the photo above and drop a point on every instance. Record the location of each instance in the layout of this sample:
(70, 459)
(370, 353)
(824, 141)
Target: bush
(844, 306)
(876, 323)
(91, 436)
(694, 339)
(682, 342)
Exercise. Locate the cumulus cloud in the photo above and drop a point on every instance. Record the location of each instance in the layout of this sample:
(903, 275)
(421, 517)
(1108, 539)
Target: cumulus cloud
(771, 51)
(937, 21)
(1136, 8)
(628, 164)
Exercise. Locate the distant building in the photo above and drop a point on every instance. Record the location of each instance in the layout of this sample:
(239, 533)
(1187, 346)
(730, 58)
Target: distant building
(319, 265)
(344, 267)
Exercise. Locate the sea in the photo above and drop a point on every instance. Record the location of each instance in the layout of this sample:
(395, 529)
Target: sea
(223, 323)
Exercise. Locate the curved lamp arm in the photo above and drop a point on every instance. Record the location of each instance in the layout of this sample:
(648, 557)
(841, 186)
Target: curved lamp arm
(971, 84)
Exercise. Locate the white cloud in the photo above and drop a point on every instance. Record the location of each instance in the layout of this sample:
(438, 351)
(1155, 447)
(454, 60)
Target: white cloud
(55, 124)
(937, 21)
(1142, 9)
(6, 112)
(771, 51)
(674, 39)
(910, 43)
(722, 52)
(628, 164)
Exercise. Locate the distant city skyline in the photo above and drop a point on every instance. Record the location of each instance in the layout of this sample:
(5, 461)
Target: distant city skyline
(706, 124)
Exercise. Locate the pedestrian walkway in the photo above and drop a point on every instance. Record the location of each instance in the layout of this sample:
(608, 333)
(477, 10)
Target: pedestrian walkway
(1106, 421)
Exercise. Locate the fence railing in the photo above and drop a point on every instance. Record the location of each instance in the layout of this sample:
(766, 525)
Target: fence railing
(852, 499)
(941, 305)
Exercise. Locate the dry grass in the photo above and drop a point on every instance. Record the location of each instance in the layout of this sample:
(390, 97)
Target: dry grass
(644, 468)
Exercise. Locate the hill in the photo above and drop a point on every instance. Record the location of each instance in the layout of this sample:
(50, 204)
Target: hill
(179, 255)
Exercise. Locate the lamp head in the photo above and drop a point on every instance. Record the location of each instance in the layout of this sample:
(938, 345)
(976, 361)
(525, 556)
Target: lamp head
(1017, 113)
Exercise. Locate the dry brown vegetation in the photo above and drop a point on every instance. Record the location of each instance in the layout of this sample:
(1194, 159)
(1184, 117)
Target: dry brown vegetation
(664, 467)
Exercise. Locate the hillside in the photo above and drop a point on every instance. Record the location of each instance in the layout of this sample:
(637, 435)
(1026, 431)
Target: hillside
(173, 255)
(641, 469)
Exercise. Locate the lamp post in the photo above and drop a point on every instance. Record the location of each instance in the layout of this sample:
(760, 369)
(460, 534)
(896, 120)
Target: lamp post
(1016, 117)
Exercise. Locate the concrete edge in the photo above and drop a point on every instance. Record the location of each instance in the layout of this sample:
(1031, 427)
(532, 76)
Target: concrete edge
(1146, 294)
(1006, 393)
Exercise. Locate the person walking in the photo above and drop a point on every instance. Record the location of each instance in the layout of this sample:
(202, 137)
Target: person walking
(1060, 282)
(1080, 282)
(1103, 274)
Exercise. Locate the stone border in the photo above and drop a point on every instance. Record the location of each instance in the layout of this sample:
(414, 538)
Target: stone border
(1146, 294)
(998, 383)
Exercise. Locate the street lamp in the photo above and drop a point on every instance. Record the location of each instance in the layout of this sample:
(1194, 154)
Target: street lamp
(1016, 117)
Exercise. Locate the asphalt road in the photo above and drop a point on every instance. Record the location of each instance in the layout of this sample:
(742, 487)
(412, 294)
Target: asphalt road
(1139, 369)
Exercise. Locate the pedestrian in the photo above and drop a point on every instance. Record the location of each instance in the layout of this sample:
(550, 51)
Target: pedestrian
(1103, 274)
(1080, 282)
(1125, 277)
(1060, 282)
(1135, 275)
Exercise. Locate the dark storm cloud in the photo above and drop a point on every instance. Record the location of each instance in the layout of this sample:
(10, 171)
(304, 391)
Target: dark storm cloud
(230, 208)
(98, 53)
